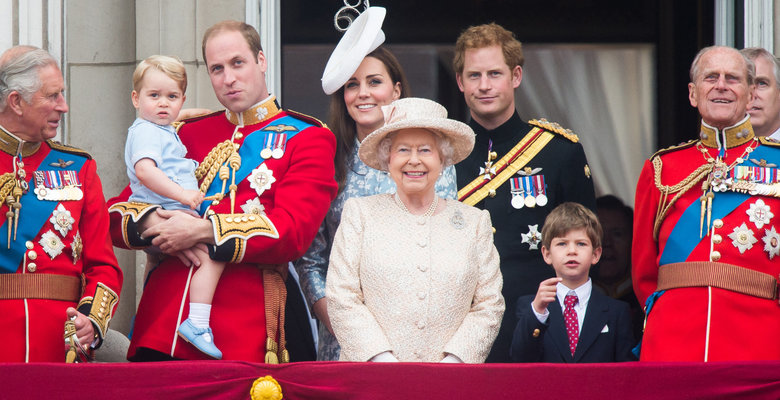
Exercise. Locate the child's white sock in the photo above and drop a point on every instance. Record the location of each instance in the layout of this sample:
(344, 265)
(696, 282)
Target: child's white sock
(199, 314)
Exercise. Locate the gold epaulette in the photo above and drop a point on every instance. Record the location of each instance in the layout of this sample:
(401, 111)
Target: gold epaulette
(68, 149)
(241, 226)
(675, 148)
(307, 118)
(555, 127)
(178, 124)
(101, 307)
(769, 142)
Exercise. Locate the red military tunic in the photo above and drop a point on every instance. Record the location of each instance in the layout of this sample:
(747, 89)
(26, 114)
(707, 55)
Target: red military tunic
(70, 239)
(295, 201)
(707, 323)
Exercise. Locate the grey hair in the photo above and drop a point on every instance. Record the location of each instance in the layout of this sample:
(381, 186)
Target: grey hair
(694, 71)
(442, 144)
(20, 73)
(753, 53)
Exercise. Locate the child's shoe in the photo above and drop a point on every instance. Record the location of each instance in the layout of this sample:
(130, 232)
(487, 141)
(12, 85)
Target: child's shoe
(201, 338)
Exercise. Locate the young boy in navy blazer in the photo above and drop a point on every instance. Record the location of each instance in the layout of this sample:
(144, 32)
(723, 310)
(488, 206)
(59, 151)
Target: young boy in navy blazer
(567, 321)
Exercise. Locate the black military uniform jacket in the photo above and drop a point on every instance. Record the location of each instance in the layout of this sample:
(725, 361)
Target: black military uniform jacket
(566, 174)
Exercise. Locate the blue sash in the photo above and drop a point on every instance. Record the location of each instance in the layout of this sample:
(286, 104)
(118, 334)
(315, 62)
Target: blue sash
(685, 235)
(250, 153)
(33, 215)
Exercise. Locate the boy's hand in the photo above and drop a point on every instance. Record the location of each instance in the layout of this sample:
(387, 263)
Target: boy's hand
(546, 294)
(191, 198)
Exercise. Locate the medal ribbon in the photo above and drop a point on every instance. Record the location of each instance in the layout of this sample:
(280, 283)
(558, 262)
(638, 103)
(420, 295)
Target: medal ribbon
(36, 214)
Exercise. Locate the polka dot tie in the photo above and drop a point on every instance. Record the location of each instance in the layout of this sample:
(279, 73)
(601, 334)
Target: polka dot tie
(572, 324)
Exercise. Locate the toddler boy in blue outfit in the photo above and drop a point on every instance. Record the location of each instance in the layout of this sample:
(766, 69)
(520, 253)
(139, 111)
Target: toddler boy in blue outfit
(160, 174)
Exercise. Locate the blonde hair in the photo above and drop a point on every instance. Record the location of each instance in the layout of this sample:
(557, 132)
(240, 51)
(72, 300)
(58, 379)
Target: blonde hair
(170, 66)
(571, 216)
(481, 36)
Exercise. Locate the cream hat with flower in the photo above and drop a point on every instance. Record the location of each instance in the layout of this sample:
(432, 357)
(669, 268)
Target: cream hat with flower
(363, 36)
(413, 112)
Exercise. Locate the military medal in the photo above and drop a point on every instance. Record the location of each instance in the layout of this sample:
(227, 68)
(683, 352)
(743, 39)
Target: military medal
(530, 197)
(261, 179)
(759, 213)
(62, 220)
(517, 193)
(533, 237)
(541, 198)
(57, 185)
(771, 242)
(489, 171)
(742, 238)
(279, 145)
(266, 152)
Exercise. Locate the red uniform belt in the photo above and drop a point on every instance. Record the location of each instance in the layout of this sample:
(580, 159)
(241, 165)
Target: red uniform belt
(720, 275)
(40, 286)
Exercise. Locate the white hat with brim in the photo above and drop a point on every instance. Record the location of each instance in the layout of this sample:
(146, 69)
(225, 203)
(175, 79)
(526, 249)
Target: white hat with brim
(363, 36)
(415, 112)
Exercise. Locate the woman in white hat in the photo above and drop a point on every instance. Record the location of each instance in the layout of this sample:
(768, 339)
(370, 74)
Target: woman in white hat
(414, 277)
(360, 81)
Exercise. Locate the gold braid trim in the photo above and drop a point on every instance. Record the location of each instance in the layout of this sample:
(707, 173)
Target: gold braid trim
(680, 189)
(208, 168)
(7, 183)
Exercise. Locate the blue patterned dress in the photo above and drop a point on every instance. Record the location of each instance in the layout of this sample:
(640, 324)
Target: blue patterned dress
(312, 268)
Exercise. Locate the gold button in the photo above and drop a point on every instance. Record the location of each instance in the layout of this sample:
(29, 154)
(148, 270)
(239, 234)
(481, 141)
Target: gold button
(718, 223)
(492, 193)
(102, 304)
(228, 219)
(210, 212)
(32, 255)
(239, 135)
(102, 310)
(494, 229)
(28, 244)
(252, 218)
(717, 239)
(244, 219)
(32, 267)
(537, 332)
(715, 255)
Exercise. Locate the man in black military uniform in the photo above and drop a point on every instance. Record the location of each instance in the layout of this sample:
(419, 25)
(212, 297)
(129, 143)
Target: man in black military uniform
(518, 171)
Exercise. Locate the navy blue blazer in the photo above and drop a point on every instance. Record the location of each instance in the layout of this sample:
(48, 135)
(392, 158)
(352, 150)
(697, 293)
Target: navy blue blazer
(536, 342)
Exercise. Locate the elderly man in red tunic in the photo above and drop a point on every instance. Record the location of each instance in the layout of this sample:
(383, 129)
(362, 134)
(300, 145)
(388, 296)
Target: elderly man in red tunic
(57, 260)
(706, 240)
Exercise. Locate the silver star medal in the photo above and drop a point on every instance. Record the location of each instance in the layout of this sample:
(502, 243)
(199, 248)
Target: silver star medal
(760, 213)
(489, 171)
(533, 237)
(261, 179)
(742, 238)
(62, 220)
(771, 242)
(253, 206)
(51, 244)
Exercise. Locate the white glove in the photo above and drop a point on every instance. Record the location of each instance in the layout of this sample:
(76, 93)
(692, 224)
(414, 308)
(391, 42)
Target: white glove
(451, 359)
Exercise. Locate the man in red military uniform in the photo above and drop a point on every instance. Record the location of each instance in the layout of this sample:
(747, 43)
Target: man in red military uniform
(57, 260)
(271, 173)
(706, 230)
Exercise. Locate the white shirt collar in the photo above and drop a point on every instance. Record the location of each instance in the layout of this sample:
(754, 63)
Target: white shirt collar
(583, 293)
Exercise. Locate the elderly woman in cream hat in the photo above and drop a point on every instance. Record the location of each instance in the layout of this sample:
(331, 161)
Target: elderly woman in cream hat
(413, 277)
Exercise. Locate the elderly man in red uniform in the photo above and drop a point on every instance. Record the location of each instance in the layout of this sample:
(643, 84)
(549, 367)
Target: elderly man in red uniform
(270, 173)
(57, 260)
(707, 228)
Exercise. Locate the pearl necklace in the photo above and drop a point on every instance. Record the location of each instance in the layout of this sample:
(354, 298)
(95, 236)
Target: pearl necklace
(427, 213)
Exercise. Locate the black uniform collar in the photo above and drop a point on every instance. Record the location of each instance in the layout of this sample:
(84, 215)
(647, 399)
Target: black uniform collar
(506, 132)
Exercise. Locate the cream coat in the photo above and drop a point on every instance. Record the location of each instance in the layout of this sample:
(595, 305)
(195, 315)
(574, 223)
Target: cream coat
(420, 287)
